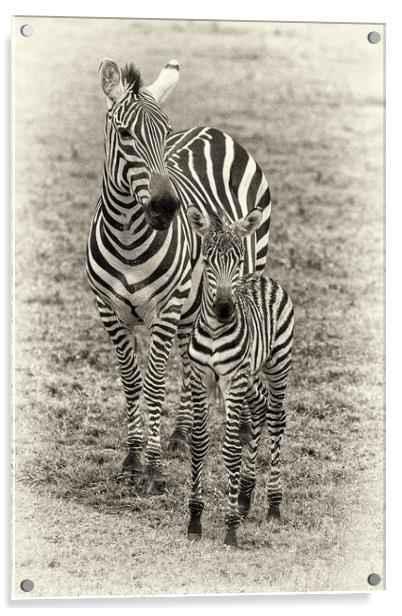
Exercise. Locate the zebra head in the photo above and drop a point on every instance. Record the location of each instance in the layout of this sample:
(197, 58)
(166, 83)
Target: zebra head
(223, 254)
(135, 140)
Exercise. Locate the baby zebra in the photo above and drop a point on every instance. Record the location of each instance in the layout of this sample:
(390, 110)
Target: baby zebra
(241, 342)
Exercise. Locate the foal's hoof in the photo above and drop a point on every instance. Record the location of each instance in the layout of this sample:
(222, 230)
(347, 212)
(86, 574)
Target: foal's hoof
(244, 502)
(231, 538)
(194, 536)
(178, 443)
(194, 529)
(244, 433)
(154, 483)
(274, 516)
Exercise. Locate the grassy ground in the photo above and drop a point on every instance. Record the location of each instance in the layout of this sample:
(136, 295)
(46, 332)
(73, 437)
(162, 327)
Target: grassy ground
(307, 101)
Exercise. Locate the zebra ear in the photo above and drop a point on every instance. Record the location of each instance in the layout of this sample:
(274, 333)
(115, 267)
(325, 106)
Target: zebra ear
(248, 224)
(198, 222)
(111, 80)
(163, 86)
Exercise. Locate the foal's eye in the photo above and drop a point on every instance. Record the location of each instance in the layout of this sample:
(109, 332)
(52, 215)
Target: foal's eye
(125, 134)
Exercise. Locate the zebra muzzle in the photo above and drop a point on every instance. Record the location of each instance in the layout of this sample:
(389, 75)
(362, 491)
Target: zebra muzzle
(224, 310)
(163, 205)
(145, 200)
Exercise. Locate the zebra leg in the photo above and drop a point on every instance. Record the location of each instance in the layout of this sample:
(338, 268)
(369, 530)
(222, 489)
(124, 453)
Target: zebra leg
(232, 454)
(277, 373)
(258, 402)
(199, 443)
(179, 439)
(123, 341)
(245, 424)
(162, 336)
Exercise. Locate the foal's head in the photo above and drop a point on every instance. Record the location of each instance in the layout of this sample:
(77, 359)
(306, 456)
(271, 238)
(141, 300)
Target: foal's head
(223, 254)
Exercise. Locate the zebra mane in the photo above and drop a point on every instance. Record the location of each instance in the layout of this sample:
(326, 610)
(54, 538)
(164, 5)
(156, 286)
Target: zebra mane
(219, 219)
(132, 78)
(222, 233)
(215, 221)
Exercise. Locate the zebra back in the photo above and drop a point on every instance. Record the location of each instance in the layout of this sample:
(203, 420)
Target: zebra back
(211, 170)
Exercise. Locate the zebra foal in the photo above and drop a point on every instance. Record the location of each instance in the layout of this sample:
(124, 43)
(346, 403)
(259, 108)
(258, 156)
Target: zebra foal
(242, 341)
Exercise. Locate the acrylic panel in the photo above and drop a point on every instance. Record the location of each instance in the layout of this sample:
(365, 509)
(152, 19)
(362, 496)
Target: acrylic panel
(142, 148)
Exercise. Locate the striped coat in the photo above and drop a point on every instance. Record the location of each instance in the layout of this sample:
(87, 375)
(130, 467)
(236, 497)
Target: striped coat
(242, 341)
(144, 262)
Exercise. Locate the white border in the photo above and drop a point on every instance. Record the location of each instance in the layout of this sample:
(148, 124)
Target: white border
(385, 11)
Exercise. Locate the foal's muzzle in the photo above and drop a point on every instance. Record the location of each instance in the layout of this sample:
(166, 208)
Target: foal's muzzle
(224, 310)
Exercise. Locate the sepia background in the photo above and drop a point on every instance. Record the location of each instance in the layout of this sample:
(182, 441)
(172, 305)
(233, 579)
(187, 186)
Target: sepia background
(307, 101)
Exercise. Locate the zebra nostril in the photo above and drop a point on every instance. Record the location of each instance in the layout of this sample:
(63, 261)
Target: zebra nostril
(165, 206)
(223, 311)
(154, 207)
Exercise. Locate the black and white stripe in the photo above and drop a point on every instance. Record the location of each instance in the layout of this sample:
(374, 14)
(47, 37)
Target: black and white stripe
(241, 340)
(143, 260)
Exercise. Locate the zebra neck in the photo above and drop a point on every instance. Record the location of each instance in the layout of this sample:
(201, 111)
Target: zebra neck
(122, 215)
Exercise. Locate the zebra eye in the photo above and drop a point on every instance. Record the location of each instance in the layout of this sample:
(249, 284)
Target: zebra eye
(125, 134)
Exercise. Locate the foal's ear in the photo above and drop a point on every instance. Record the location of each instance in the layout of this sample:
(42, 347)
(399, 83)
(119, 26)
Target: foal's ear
(198, 222)
(111, 80)
(166, 81)
(248, 224)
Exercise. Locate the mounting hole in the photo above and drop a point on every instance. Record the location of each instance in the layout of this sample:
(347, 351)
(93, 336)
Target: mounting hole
(26, 30)
(374, 579)
(27, 585)
(374, 37)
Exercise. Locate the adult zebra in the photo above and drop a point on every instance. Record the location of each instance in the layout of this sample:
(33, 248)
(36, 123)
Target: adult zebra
(144, 262)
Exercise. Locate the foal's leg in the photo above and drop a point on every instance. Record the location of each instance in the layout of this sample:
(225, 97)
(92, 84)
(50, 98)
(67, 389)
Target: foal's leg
(258, 401)
(199, 443)
(232, 453)
(277, 373)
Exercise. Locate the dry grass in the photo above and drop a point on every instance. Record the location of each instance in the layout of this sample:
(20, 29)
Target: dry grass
(309, 107)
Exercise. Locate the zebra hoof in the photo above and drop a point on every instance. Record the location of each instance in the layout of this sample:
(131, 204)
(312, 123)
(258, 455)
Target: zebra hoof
(231, 538)
(154, 483)
(194, 529)
(155, 487)
(178, 443)
(244, 433)
(132, 464)
(131, 470)
(194, 536)
(244, 504)
(274, 516)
